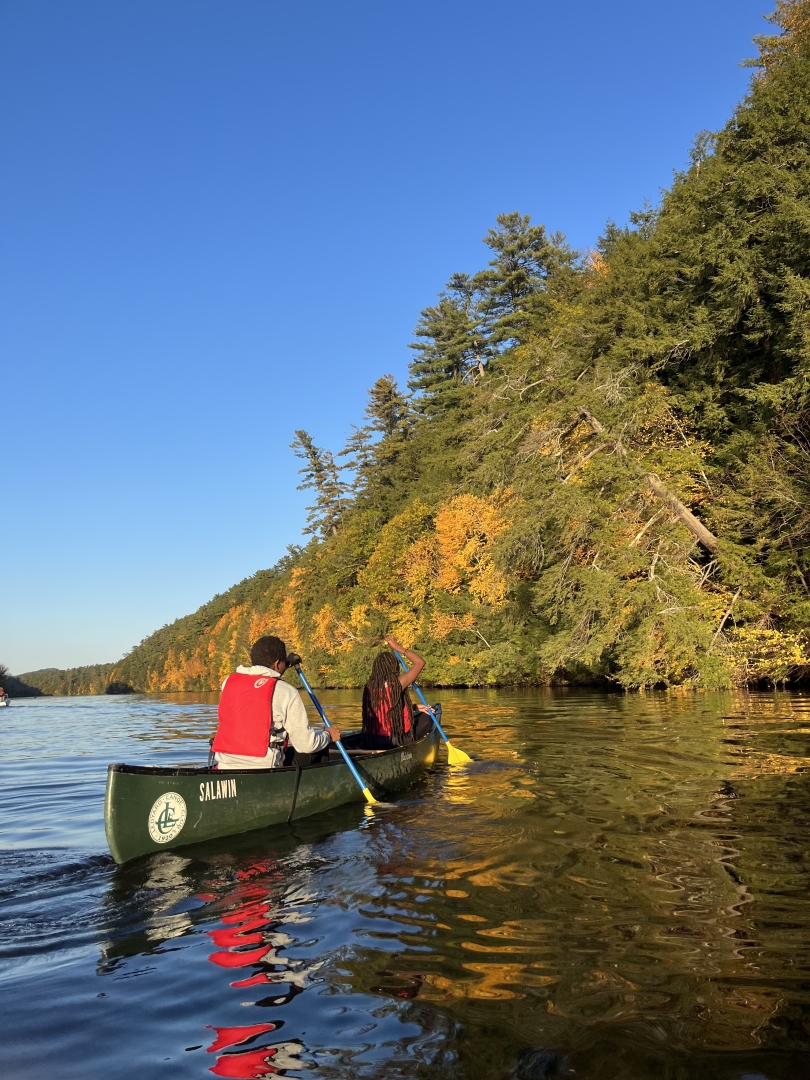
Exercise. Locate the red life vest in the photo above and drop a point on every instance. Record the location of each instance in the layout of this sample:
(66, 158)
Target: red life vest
(377, 721)
(245, 715)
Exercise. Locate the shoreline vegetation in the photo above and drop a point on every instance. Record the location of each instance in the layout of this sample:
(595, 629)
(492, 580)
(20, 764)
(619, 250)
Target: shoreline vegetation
(600, 470)
(63, 682)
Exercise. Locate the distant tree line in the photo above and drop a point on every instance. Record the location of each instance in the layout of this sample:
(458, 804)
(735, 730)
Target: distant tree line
(93, 679)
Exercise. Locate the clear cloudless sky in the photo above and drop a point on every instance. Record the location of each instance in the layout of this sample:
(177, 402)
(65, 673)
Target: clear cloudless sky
(218, 223)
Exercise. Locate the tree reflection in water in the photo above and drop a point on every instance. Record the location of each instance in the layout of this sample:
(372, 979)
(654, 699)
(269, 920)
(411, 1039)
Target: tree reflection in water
(617, 887)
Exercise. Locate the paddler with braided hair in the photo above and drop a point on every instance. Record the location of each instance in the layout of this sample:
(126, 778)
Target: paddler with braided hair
(389, 716)
(262, 720)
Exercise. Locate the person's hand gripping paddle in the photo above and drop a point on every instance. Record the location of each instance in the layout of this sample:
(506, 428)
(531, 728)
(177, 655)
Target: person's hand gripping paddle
(295, 661)
(454, 755)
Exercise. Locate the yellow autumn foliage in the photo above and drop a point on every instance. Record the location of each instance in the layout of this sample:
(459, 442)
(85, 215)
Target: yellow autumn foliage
(421, 568)
(418, 556)
(330, 633)
(334, 634)
(405, 624)
(466, 529)
(597, 263)
(774, 655)
(793, 19)
(358, 617)
(443, 624)
(382, 574)
(324, 623)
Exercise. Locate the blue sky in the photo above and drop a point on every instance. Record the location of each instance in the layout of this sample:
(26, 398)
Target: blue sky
(218, 223)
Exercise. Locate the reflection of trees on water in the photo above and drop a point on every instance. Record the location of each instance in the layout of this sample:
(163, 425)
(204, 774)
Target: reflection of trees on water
(630, 881)
(625, 880)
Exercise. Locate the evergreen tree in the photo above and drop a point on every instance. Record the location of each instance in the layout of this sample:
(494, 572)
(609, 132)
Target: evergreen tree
(388, 410)
(322, 475)
(373, 448)
(481, 314)
(527, 260)
(452, 347)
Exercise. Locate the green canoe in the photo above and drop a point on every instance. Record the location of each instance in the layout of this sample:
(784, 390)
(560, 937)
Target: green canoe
(148, 808)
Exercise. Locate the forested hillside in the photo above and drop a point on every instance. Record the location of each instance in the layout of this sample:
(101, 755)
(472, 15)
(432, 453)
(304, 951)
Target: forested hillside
(14, 686)
(92, 679)
(600, 469)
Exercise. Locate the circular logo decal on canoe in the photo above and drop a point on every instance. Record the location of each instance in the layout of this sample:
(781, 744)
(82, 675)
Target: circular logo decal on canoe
(167, 817)
(259, 682)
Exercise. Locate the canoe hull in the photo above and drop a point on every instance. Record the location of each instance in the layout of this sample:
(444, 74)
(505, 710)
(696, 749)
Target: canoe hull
(150, 809)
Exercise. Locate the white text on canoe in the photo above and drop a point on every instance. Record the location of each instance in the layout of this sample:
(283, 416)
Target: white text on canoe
(217, 789)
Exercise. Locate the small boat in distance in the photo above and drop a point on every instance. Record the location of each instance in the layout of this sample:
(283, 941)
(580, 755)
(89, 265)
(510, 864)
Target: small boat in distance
(148, 808)
(5, 700)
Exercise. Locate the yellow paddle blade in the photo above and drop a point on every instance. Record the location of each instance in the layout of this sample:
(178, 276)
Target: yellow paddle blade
(456, 756)
(369, 797)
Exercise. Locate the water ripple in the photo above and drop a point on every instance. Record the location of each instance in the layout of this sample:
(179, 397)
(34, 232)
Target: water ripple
(616, 888)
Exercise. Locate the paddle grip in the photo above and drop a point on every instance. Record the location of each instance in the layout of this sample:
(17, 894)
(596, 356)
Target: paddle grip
(422, 698)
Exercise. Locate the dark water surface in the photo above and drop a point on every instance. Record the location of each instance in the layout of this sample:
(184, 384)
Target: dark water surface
(617, 888)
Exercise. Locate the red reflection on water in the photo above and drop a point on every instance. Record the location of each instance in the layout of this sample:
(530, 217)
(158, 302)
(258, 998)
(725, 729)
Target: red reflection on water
(239, 959)
(230, 1036)
(253, 1064)
(253, 871)
(245, 912)
(249, 923)
(254, 980)
(239, 935)
(248, 1064)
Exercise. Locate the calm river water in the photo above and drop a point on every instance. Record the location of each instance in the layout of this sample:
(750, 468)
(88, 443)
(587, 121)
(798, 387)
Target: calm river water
(617, 888)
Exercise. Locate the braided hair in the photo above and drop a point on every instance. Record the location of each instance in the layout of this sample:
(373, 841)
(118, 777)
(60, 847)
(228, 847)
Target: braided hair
(382, 692)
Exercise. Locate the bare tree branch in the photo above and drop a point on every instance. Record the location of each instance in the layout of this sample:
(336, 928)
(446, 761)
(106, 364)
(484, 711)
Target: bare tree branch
(641, 532)
(723, 621)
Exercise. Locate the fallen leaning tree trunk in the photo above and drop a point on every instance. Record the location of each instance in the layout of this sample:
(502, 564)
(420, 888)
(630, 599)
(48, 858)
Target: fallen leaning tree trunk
(682, 513)
(654, 483)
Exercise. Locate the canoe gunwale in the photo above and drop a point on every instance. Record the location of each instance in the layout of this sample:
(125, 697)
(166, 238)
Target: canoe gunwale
(213, 770)
(215, 803)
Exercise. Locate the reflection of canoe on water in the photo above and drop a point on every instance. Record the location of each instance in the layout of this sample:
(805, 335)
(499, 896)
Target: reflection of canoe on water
(148, 808)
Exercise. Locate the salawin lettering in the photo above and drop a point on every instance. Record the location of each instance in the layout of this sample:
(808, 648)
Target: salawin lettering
(218, 789)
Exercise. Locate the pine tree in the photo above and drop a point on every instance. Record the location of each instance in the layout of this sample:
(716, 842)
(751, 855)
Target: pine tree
(527, 260)
(373, 448)
(388, 410)
(479, 315)
(454, 347)
(322, 475)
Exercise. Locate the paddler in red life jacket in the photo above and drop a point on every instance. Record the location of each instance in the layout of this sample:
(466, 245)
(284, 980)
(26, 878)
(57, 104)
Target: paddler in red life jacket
(389, 716)
(261, 716)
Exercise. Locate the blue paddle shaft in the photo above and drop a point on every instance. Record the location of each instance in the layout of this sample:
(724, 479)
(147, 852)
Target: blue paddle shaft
(422, 698)
(325, 719)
